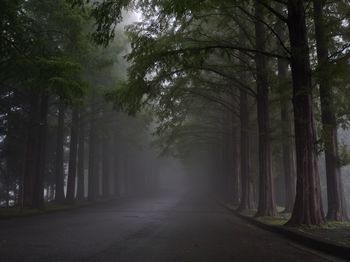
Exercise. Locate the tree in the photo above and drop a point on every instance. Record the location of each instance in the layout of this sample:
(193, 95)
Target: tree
(335, 192)
(286, 117)
(308, 207)
(81, 157)
(72, 169)
(183, 40)
(267, 205)
(59, 175)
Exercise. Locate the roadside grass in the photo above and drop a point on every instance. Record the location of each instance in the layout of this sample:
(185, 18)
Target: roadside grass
(248, 212)
(332, 231)
(9, 212)
(12, 212)
(273, 221)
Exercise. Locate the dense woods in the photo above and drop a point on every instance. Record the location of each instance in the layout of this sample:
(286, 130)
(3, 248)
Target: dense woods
(252, 96)
(59, 136)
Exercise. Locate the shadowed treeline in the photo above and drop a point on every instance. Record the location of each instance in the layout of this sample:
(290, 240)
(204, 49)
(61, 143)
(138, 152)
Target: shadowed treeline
(244, 97)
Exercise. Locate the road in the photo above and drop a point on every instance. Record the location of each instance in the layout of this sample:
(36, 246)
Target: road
(153, 229)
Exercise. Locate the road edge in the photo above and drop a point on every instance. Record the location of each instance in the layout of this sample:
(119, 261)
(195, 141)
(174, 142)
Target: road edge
(77, 205)
(323, 246)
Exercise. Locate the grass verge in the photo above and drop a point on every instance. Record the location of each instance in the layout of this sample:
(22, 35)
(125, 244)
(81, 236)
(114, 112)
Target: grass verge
(337, 233)
(12, 212)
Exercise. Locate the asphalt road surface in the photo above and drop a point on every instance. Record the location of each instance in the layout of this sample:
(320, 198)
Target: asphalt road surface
(160, 229)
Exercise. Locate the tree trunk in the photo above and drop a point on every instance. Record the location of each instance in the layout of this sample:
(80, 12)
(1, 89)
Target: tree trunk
(267, 204)
(308, 207)
(81, 158)
(247, 202)
(93, 182)
(31, 151)
(286, 120)
(225, 163)
(106, 155)
(59, 173)
(287, 150)
(247, 199)
(23, 173)
(72, 168)
(235, 160)
(38, 197)
(335, 192)
(126, 176)
(7, 190)
(106, 166)
(116, 166)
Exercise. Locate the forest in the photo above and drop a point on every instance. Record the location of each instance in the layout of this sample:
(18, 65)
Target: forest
(251, 98)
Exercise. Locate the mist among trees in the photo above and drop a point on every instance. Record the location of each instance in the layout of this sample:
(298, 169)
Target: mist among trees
(247, 101)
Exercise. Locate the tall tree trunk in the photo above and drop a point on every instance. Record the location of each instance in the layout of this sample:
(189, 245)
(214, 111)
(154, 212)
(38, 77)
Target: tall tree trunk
(93, 183)
(225, 159)
(126, 173)
(106, 166)
(234, 154)
(59, 173)
(38, 198)
(308, 207)
(106, 155)
(72, 168)
(286, 119)
(98, 165)
(7, 189)
(247, 201)
(23, 173)
(81, 158)
(267, 204)
(287, 149)
(335, 192)
(31, 151)
(116, 166)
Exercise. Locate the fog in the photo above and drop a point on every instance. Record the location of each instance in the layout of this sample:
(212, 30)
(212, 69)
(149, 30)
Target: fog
(156, 126)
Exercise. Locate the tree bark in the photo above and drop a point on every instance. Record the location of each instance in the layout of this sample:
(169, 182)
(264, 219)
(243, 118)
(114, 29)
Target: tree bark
(247, 201)
(93, 189)
(308, 207)
(234, 153)
(225, 163)
(286, 119)
(7, 190)
(267, 204)
(23, 173)
(81, 158)
(59, 173)
(116, 166)
(106, 166)
(38, 197)
(287, 150)
(31, 151)
(72, 168)
(335, 192)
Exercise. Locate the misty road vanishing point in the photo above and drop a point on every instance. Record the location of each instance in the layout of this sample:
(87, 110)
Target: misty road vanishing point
(157, 228)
